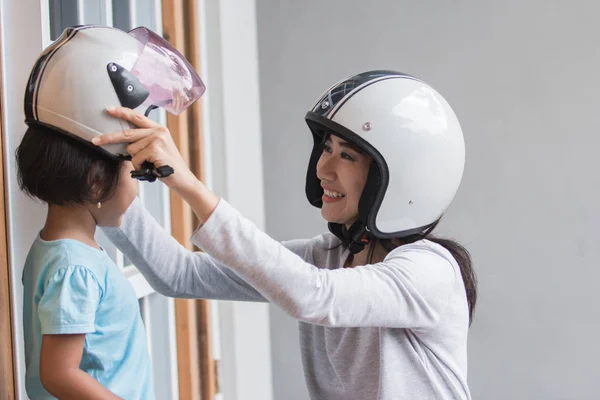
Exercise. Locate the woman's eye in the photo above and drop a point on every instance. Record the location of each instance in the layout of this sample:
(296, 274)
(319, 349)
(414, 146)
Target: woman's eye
(326, 148)
(347, 156)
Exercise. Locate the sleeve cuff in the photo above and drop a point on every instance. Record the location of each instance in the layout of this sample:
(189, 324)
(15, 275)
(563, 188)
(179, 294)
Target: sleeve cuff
(222, 213)
(71, 329)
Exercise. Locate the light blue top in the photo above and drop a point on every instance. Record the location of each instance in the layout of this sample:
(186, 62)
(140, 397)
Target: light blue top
(72, 288)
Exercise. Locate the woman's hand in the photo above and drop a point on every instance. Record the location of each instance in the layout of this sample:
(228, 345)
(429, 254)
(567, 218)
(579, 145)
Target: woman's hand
(150, 142)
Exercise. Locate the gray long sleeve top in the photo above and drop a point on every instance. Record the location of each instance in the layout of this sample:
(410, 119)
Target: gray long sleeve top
(396, 329)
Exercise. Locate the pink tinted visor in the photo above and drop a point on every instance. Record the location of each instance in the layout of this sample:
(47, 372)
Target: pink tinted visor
(171, 80)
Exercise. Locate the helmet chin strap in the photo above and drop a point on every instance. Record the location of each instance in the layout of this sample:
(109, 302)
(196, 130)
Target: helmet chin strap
(355, 238)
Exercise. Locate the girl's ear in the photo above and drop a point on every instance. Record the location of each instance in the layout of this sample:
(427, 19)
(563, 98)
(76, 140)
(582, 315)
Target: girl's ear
(100, 185)
(94, 185)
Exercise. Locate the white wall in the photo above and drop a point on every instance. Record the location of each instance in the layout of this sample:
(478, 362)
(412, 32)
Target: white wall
(21, 45)
(523, 77)
(230, 71)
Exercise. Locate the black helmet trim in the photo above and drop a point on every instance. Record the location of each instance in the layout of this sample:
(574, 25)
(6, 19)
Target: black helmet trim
(320, 127)
(335, 97)
(377, 180)
(35, 77)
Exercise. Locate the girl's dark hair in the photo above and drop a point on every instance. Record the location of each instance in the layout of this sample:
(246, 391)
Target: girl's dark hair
(460, 254)
(61, 170)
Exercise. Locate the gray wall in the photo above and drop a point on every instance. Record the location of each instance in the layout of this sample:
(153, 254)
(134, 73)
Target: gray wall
(523, 77)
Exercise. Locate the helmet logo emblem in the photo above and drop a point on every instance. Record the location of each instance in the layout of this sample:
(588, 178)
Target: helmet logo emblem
(325, 104)
(367, 126)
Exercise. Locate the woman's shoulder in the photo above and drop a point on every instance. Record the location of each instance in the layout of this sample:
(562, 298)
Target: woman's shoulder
(423, 249)
(324, 241)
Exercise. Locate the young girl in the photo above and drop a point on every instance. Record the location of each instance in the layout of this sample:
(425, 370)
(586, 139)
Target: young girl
(384, 308)
(84, 336)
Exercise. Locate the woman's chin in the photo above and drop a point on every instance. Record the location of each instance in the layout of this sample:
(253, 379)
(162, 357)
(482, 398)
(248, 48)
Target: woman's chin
(336, 219)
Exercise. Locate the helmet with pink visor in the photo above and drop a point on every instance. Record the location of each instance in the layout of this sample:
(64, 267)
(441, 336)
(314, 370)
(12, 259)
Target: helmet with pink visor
(92, 67)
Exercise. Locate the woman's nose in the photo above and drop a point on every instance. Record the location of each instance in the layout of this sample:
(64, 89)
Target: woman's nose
(326, 168)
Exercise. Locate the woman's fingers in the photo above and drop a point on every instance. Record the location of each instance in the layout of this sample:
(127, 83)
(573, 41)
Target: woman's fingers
(152, 154)
(126, 136)
(145, 127)
(135, 118)
(138, 159)
(141, 144)
(149, 142)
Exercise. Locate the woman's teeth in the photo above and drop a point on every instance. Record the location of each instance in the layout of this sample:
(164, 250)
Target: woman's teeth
(334, 195)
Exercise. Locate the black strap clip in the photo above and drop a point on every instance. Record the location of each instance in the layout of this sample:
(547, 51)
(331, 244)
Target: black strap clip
(149, 173)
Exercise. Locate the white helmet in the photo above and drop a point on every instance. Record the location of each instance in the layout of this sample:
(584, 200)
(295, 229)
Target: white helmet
(417, 147)
(92, 67)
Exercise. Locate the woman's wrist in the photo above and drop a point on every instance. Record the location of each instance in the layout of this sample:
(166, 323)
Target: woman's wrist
(202, 201)
(182, 181)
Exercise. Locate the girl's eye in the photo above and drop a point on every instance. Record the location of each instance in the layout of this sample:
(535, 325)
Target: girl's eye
(326, 148)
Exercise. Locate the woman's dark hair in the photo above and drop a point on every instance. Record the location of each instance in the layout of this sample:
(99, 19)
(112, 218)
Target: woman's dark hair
(460, 254)
(61, 170)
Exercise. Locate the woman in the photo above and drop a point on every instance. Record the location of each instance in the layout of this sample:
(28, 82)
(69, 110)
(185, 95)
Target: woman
(384, 309)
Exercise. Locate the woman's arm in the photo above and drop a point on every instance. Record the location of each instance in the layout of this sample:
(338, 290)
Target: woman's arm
(59, 370)
(409, 289)
(170, 268)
